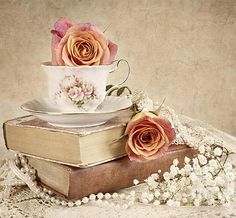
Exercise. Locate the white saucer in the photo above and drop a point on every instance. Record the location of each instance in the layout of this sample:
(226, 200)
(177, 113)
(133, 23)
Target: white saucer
(45, 109)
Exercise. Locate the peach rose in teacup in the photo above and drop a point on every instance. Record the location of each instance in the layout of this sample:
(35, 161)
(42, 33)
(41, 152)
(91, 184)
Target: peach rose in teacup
(149, 136)
(80, 44)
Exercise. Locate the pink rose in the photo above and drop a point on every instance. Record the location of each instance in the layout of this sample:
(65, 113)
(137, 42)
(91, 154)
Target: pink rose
(60, 28)
(87, 90)
(76, 93)
(80, 44)
(149, 136)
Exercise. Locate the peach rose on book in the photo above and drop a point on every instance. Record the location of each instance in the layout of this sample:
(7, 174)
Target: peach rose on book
(80, 44)
(149, 136)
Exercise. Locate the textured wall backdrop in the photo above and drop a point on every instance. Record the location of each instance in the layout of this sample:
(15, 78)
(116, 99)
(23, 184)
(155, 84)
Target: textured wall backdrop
(182, 50)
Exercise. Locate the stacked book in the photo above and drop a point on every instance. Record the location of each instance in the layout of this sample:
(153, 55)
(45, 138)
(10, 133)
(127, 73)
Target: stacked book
(75, 162)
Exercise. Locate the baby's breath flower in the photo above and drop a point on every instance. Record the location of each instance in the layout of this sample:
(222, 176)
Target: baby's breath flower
(155, 176)
(142, 101)
(152, 183)
(202, 159)
(173, 171)
(166, 195)
(175, 162)
(184, 200)
(193, 177)
(213, 163)
(166, 176)
(218, 151)
(188, 168)
(202, 149)
(207, 179)
(157, 193)
(150, 197)
(186, 160)
(228, 167)
(195, 161)
(172, 188)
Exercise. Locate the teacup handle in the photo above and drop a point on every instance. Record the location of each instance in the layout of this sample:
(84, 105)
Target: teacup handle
(123, 81)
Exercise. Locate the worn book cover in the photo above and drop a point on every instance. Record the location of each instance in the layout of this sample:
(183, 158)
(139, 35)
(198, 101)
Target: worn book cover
(74, 183)
(72, 146)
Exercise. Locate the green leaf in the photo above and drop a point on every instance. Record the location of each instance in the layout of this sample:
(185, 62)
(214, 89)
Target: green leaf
(120, 91)
(108, 87)
(154, 112)
(118, 139)
(130, 92)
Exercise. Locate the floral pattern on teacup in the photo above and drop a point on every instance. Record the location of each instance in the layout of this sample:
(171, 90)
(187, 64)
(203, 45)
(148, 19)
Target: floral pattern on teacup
(77, 91)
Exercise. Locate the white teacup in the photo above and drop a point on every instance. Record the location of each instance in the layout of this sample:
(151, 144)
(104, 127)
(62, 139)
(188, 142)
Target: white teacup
(79, 88)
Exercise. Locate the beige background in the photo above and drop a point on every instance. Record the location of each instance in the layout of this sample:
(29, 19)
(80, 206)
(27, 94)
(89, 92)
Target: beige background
(182, 50)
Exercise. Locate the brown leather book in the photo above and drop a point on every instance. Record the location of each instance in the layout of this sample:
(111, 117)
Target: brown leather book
(74, 183)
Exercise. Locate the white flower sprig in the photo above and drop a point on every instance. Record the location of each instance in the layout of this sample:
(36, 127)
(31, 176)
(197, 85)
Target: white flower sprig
(141, 101)
(207, 179)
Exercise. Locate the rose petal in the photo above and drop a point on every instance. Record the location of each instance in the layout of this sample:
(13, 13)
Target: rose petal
(113, 51)
(161, 143)
(76, 37)
(106, 57)
(62, 25)
(136, 138)
(166, 125)
(131, 145)
(60, 28)
(146, 153)
(132, 156)
(55, 41)
(152, 146)
(143, 121)
(110, 52)
(138, 145)
(89, 27)
(163, 139)
(160, 152)
(59, 49)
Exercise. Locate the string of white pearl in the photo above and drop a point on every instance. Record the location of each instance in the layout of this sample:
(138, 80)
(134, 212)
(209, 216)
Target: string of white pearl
(49, 196)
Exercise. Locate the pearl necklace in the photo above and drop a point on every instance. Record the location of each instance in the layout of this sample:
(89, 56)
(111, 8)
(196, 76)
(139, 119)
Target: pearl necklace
(28, 176)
